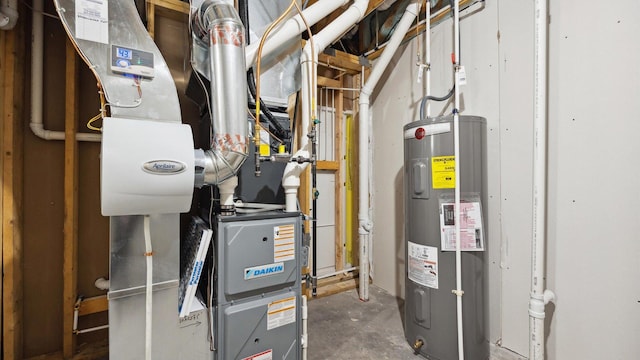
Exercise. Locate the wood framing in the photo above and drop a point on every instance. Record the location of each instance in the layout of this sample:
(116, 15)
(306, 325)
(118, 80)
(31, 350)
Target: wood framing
(341, 60)
(339, 184)
(172, 5)
(93, 305)
(12, 66)
(70, 229)
(328, 165)
(151, 18)
(327, 82)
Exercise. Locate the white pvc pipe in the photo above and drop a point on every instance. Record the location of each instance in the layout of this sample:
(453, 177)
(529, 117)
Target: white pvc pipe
(339, 272)
(309, 64)
(364, 221)
(149, 289)
(292, 28)
(456, 144)
(84, 331)
(102, 283)
(305, 336)
(37, 81)
(227, 188)
(427, 45)
(538, 296)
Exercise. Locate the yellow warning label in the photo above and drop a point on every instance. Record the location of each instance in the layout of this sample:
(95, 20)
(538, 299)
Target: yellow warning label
(443, 172)
(265, 150)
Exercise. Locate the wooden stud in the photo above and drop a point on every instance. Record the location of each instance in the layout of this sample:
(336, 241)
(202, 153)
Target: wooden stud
(173, 5)
(342, 60)
(12, 67)
(327, 165)
(93, 305)
(2, 115)
(151, 18)
(303, 193)
(338, 237)
(70, 229)
(327, 82)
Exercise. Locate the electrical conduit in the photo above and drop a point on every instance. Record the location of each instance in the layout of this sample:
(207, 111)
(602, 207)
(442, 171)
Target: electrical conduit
(364, 221)
(309, 62)
(539, 297)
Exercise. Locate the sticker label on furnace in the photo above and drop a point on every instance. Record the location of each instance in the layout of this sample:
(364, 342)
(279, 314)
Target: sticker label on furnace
(423, 264)
(284, 243)
(265, 355)
(443, 172)
(281, 313)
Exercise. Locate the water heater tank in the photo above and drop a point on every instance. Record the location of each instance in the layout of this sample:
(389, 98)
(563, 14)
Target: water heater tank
(430, 306)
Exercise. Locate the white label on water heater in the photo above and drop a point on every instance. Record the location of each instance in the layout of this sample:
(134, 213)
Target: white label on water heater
(423, 264)
(471, 233)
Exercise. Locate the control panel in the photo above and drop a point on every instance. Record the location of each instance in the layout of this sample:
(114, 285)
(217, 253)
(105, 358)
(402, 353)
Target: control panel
(131, 61)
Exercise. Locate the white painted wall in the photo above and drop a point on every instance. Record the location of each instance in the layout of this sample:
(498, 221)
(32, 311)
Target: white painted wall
(594, 98)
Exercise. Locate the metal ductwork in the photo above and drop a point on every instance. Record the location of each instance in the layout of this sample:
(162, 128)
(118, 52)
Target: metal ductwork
(219, 33)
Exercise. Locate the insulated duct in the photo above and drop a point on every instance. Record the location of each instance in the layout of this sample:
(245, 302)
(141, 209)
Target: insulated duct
(217, 27)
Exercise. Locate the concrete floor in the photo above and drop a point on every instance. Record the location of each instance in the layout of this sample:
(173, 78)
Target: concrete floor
(341, 327)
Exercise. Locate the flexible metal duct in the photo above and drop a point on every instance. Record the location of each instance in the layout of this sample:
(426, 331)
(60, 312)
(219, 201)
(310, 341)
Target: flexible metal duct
(216, 26)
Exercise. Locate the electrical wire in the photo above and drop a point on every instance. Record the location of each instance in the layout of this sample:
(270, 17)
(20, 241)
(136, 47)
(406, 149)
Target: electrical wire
(251, 84)
(101, 115)
(424, 100)
(92, 120)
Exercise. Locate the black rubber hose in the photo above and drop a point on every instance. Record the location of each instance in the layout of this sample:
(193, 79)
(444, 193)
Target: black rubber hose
(279, 130)
(243, 10)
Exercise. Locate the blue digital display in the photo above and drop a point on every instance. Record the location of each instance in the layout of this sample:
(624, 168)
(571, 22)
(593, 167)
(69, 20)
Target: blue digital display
(123, 53)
